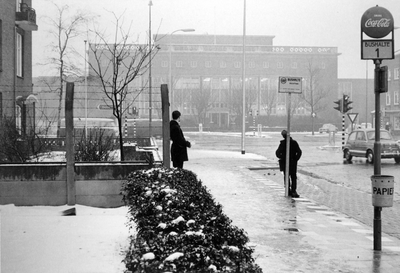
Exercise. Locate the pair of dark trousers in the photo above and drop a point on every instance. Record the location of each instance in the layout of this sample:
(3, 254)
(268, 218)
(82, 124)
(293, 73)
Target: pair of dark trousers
(177, 164)
(292, 176)
(292, 181)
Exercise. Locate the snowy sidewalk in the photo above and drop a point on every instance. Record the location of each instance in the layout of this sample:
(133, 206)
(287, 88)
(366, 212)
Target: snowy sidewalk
(289, 235)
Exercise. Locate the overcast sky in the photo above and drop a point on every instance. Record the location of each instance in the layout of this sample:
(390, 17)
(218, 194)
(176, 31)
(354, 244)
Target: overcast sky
(331, 23)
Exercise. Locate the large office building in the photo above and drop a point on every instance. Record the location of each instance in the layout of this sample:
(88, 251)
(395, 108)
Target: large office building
(204, 76)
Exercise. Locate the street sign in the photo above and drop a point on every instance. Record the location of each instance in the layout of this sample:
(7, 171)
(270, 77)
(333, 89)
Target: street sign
(352, 116)
(290, 85)
(377, 49)
(104, 107)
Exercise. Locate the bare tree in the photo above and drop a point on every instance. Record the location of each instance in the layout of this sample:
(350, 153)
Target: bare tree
(269, 94)
(201, 100)
(116, 65)
(65, 26)
(314, 92)
(236, 99)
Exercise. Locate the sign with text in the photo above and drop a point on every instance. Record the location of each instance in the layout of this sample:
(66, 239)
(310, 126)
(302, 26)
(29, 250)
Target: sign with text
(290, 85)
(377, 22)
(377, 49)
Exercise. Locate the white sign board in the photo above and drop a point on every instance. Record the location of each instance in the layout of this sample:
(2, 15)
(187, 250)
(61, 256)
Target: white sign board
(377, 49)
(290, 84)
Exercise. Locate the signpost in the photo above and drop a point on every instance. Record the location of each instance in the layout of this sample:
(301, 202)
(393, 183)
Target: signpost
(378, 23)
(289, 85)
(352, 118)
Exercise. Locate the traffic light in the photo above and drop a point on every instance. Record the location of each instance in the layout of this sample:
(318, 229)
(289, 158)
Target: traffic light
(134, 111)
(383, 79)
(346, 104)
(339, 105)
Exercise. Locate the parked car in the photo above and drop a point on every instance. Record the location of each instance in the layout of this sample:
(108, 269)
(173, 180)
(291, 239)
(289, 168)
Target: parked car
(360, 143)
(326, 128)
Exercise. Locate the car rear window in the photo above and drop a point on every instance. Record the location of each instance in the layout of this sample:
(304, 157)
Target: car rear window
(384, 135)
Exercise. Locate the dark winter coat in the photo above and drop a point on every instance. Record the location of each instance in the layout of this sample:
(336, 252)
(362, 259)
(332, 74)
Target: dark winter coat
(179, 143)
(294, 156)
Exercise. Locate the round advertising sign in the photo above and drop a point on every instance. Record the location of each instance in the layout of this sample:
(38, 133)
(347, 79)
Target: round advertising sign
(377, 22)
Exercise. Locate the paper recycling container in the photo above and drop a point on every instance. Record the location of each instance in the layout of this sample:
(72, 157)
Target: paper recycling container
(382, 190)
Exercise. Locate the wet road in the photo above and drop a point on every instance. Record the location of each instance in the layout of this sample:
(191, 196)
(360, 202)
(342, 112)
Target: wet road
(323, 174)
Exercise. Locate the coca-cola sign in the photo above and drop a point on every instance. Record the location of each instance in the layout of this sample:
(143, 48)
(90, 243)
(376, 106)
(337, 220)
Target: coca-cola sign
(377, 22)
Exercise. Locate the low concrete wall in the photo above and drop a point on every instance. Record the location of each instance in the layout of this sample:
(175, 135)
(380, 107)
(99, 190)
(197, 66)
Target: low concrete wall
(97, 184)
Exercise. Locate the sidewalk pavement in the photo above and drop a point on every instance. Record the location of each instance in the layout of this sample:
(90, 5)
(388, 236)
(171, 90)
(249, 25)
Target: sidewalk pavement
(289, 234)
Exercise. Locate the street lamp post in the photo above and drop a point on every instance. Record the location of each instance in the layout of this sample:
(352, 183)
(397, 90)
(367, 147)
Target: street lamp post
(244, 79)
(86, 97)
(170, 62)
(150, 104)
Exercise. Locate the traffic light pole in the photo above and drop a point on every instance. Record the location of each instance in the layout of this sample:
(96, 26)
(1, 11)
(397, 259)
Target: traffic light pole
(377, 158)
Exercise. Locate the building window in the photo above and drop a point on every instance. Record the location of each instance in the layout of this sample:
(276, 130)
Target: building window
(164, 64)
(322, 66)
(293, 65)
(222, 64)
(396, 70)
(19, 58)
(208, 64)
(387, 99)
(265, 64)
(396, 123)
(179, 64)
(389, 75)
(280, 65)
(396, 97)
(193, 64)
(252, 65)
(18, 3)
(237, 64)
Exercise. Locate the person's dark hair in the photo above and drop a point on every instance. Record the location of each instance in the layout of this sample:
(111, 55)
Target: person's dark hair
(284, 133)
(176, 114)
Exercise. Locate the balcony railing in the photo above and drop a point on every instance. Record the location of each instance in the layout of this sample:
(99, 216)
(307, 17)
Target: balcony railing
(26, 18)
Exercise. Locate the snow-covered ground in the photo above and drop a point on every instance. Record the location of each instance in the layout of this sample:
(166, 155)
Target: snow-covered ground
(39, 239)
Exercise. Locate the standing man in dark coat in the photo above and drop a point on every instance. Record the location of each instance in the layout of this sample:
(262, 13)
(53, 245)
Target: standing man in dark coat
(179, 143)
(294, 156)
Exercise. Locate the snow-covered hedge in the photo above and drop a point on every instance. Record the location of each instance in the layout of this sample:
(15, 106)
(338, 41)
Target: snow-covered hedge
(180, 228)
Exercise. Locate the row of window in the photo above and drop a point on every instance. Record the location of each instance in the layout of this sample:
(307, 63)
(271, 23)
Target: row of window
(223, 64)
(395, 98)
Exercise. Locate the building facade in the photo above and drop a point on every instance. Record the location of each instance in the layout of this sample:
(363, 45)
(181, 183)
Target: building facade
(390, 106)
(361, 93)
(204, 74)
(204, 77)
(17, 21)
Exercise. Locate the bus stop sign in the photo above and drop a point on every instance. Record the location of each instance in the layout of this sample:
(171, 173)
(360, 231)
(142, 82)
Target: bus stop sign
(377, 22)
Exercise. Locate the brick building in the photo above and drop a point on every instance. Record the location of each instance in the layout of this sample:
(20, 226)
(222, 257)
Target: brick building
(204, 75)
(390, 104)
(17, 21)
(361, 93)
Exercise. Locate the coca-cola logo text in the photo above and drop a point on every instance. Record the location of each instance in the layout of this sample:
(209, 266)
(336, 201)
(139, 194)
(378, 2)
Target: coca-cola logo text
(384, 22)
(377, 22)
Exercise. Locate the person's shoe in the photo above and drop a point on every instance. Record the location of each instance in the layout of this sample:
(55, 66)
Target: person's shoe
(294, 194)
